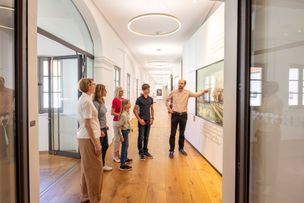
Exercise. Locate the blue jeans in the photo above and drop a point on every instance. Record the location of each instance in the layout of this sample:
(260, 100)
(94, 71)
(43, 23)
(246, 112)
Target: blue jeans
(143, 137)
(124, 147)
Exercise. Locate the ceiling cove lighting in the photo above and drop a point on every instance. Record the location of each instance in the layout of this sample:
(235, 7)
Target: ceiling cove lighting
(154, 25)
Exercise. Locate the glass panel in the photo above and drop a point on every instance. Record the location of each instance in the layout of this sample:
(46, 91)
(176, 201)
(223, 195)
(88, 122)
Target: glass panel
(56, 68)
(293, 86)
(90, 68)
(276, 126)
(45, 100)
(7, 97)
(256, 73)
(45, 84)
(68, 119)
(56, 100)
(256, 86)
(293, 99)
(293, 74)
(255, 99)
(45, 68)
(57, 14)
(56, 84)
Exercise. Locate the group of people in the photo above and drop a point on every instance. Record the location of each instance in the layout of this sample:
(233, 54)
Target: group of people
(93, 137)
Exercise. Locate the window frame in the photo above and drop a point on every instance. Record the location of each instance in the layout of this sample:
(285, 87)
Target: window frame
(300, 81)
(262, 67)
(128, 86)
(42, 109)
(117, 79)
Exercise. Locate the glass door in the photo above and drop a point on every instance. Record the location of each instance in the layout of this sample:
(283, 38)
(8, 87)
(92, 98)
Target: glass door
(272, 88)
(7, 96)
(277, 117)
(63, 96)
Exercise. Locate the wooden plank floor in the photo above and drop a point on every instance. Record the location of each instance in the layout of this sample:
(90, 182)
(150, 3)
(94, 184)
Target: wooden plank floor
(159, 180)
(52, 168)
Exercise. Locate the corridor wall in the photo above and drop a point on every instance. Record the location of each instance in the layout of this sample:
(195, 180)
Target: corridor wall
(205, 47)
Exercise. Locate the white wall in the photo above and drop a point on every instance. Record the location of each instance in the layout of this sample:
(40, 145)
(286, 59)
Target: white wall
(205, 47)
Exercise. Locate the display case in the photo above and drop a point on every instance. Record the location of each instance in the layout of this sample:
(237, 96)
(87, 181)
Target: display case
(210, 105)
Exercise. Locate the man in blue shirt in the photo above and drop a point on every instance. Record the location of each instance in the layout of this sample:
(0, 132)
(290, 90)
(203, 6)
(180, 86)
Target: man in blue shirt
(144, 113)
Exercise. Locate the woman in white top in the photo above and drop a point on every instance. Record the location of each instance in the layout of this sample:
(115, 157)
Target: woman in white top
(89, 145)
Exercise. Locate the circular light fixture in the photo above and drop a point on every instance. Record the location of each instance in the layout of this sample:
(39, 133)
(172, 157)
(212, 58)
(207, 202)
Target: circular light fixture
(158, 64)
(154, 25)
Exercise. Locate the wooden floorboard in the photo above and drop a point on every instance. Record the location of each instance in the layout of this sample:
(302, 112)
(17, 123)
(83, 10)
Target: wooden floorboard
(159, 180)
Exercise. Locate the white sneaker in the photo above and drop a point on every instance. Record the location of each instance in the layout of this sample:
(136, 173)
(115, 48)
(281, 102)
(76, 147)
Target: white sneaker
(107, 168)
(116, 159)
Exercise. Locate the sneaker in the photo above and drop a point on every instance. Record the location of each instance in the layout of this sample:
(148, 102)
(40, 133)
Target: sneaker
(115, 159)
(107, 168)
(142, 157)
(148, 155)
(171, 155)
(125, 168)
(183, 152)
(129, 160)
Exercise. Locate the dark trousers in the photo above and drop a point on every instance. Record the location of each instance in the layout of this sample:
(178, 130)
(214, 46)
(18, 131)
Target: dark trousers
(104, 142)
(181, 120)
(143, 137)
(124, 147)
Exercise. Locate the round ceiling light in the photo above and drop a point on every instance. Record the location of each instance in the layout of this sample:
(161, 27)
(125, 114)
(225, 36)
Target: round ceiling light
(154, 25)
(158, 64)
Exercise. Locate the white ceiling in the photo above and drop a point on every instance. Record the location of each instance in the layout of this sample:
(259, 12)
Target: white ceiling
(191, 13)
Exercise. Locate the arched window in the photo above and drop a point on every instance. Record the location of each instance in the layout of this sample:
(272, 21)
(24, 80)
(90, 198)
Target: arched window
(62, 19)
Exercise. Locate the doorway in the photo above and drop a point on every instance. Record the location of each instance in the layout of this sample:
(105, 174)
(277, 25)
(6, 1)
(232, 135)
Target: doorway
(58, 77)
(59, 69)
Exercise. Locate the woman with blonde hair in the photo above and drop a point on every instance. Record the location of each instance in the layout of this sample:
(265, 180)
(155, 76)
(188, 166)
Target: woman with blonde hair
(99, 103)
(89, 145)
(116, 110)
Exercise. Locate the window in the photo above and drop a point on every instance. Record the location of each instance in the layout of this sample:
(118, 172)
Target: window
(50, 82)
(137, 88)
(116, 76)
(296, 86)
(255, 86)
(128, 86)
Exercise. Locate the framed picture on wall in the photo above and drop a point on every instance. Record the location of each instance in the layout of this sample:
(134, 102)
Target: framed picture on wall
(210, 106)
(159, 92)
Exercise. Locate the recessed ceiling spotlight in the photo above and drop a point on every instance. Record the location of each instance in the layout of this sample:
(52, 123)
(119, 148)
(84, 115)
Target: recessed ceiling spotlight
(154, 25)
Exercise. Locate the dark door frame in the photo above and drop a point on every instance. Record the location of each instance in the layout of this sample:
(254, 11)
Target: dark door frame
(21, 101)
(243, 102)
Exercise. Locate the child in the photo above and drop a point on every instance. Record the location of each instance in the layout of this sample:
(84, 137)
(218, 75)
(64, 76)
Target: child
(124, 130)
(144, 113)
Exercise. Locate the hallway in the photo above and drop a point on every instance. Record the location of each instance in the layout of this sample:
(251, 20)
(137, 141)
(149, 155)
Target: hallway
(159, 180)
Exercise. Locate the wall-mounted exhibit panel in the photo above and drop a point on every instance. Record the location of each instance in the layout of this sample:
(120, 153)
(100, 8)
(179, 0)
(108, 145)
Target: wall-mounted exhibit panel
(210, 106)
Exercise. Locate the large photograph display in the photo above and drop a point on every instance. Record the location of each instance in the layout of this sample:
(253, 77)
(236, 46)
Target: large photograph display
(210, 106)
